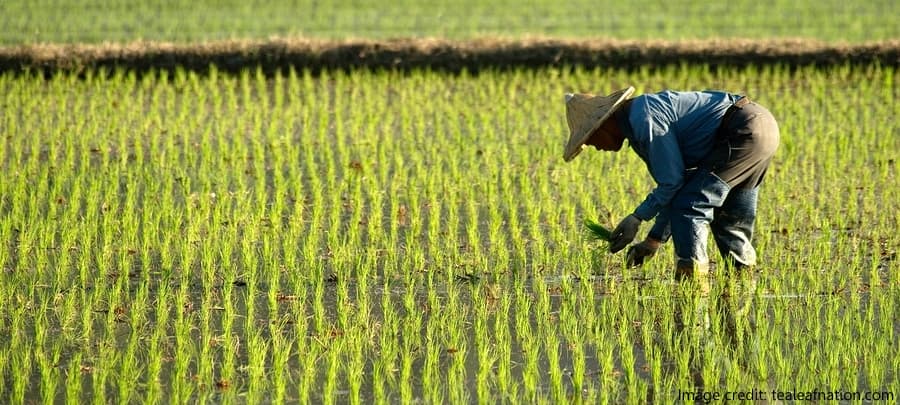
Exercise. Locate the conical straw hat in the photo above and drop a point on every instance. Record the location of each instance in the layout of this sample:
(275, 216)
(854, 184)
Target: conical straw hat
(585, 113)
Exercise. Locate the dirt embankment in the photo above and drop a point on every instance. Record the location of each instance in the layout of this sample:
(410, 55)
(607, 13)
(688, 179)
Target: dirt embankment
(438, 54)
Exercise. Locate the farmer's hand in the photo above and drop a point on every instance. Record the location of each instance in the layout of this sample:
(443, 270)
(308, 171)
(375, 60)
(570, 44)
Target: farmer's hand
(639, 252)
(624, 233)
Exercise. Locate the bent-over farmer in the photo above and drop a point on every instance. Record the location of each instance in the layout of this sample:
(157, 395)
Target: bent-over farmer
(708, 152)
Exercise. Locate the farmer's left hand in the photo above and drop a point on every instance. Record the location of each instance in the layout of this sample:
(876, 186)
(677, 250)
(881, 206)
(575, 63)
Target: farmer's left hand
(642, 251)
(624, 233)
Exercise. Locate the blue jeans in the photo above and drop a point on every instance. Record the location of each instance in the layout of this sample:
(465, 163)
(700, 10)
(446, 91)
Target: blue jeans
(721, 196)
(707, 203)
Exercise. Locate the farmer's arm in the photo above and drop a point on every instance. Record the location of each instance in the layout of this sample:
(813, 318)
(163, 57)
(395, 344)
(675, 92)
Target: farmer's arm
(661, 229)
(667, 168)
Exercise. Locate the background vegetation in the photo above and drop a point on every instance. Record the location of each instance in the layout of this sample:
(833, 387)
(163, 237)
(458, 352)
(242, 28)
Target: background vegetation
(92, 21)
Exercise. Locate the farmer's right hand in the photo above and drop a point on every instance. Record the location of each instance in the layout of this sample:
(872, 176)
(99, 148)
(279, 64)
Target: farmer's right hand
(624, 233)
(639, 252)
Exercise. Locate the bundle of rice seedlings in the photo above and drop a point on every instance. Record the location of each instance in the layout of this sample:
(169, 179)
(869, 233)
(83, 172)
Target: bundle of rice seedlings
(596, 231)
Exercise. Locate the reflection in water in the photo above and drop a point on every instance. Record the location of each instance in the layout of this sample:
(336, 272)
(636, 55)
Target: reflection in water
(715, 322)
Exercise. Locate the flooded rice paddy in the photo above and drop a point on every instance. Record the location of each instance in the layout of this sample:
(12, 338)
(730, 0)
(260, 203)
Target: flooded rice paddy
(415, 237)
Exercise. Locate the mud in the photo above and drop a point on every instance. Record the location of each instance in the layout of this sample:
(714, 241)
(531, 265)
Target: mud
(437, 54)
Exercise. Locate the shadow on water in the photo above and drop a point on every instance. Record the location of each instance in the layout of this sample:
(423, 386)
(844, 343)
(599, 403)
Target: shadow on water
(700, 313)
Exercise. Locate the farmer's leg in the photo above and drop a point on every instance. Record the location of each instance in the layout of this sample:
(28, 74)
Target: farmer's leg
(692, 210)
(732, 227)
(745, 150)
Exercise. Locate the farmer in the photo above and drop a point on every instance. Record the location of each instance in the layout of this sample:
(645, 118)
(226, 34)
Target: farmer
(707, 151)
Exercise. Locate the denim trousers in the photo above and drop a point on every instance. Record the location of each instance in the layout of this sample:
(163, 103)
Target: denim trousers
(721, 196)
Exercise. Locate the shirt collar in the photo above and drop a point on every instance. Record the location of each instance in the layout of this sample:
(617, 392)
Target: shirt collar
(624, 122)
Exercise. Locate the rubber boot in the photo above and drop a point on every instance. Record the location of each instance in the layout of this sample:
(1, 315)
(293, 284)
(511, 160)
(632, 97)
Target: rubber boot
(688, 270)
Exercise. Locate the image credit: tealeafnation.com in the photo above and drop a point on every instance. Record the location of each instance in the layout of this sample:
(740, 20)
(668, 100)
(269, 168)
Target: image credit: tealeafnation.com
(785, 395)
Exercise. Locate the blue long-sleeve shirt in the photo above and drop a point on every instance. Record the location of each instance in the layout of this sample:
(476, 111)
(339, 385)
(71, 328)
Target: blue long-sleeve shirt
(672, 132)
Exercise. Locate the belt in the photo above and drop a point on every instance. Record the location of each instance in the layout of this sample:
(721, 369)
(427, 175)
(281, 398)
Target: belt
(732, 109)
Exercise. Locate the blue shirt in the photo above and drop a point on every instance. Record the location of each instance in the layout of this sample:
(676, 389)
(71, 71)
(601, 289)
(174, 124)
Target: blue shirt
(672, 132)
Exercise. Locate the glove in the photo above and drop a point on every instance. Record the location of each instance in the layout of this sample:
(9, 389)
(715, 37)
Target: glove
(639, 252)
(624, 233)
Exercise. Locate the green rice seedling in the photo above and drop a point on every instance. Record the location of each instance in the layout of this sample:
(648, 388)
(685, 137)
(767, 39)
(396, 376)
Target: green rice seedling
(502, 338)
(355, 370)
(306, 388)
(21, 359)
(484, 352)
(257, 350)
(526, 341)
(378, 380)
(73, 379)
(281, 353)
(431, 372)
(131, 371)
(49, 375)
(595, 231)
(405, 376)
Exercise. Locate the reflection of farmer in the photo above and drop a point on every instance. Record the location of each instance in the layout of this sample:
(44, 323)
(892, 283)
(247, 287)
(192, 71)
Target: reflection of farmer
(707, 151)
